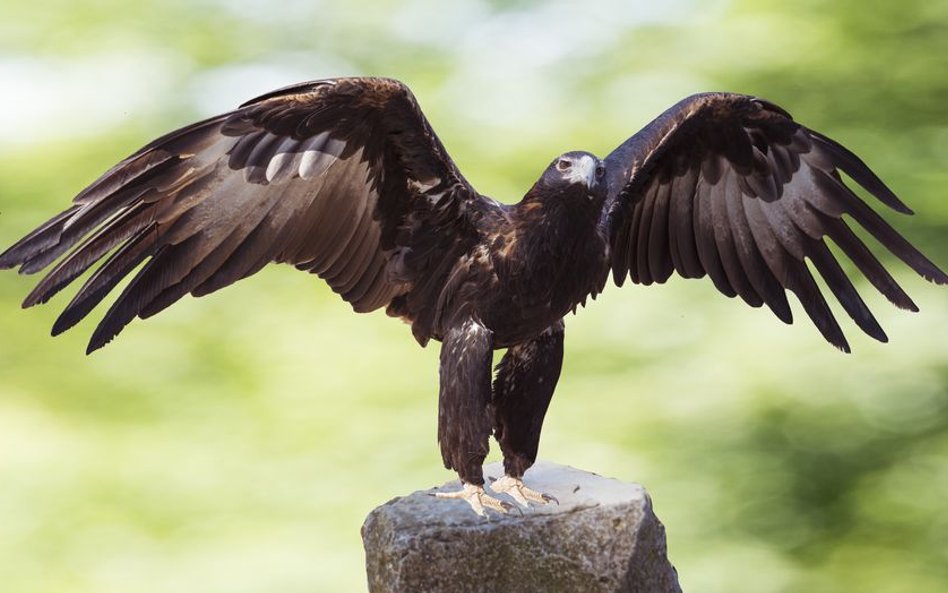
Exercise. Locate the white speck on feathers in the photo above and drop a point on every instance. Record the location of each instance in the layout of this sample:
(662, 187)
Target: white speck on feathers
(423, 185)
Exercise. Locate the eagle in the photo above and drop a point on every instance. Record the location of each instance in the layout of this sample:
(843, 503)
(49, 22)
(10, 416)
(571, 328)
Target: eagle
(345, 178)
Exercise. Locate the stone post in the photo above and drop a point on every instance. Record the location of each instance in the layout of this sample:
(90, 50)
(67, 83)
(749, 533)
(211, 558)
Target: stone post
(602, 537)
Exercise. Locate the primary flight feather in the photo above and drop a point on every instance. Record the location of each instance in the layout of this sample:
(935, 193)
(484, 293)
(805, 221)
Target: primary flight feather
(346, 179)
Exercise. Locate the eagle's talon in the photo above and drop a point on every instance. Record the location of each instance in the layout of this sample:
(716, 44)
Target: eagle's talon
(479, 500)
(515, 488)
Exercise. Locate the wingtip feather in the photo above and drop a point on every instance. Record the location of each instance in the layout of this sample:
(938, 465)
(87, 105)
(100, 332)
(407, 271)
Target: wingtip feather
(936, 276)
(61, 325)
(94, 345)
(854, 166)
(32, 300)
(103, 334)
(67, 319)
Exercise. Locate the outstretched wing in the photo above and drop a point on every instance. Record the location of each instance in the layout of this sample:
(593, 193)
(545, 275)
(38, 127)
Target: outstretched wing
(343, 178)
(730, 186)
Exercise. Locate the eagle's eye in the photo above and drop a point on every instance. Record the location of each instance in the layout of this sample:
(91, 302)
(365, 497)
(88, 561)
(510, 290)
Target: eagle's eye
(600, 170)
(562, 164)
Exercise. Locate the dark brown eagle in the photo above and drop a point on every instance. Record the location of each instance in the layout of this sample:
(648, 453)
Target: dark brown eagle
(345, 178)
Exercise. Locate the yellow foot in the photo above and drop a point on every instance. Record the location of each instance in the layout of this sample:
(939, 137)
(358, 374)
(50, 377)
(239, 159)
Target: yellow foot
(479, 500)
(523, 495)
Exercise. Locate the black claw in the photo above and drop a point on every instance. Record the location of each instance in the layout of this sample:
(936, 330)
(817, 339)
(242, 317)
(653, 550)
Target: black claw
(551, 498)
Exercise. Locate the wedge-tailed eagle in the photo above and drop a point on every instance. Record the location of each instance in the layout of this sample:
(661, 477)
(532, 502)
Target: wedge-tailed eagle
(345, 178)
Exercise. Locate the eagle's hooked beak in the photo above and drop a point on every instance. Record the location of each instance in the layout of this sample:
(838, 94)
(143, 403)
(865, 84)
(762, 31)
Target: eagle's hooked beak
(584, 170)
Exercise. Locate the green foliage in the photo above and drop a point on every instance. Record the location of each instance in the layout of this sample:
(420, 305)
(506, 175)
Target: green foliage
(234, 443)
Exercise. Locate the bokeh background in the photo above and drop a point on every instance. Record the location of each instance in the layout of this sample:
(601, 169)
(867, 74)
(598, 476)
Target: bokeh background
(235, 443)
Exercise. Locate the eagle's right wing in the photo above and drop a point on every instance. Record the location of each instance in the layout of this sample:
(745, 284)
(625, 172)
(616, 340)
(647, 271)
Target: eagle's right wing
(343, 178)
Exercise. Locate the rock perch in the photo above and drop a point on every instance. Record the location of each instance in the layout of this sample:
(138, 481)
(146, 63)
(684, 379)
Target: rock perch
(602, 538)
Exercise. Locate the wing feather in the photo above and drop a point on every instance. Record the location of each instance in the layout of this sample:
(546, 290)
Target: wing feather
(705, 236)
(128, 256)
(724, 238)
(120, 229)
(368, 284)
(657, 257)
(840, 285)
(681, 225)
(645, 227)
(752, 251)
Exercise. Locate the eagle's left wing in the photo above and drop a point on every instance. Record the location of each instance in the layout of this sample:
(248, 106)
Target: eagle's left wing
(730, 186)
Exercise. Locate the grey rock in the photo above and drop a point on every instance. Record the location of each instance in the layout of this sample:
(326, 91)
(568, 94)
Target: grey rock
(602, 537)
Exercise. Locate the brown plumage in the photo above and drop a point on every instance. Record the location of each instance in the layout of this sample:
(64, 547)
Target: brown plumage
(345, 179)
(744, 194)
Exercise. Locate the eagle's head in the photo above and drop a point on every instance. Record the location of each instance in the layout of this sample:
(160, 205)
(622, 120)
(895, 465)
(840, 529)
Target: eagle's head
(575, 173)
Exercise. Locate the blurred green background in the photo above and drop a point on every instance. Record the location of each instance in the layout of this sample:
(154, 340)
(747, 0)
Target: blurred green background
(236, 442)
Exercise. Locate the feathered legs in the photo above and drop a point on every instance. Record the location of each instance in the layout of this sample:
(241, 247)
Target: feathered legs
(526, 378)
(464, 421)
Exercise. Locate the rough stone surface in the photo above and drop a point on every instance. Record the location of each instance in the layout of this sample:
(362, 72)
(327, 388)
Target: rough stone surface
(602, 537)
